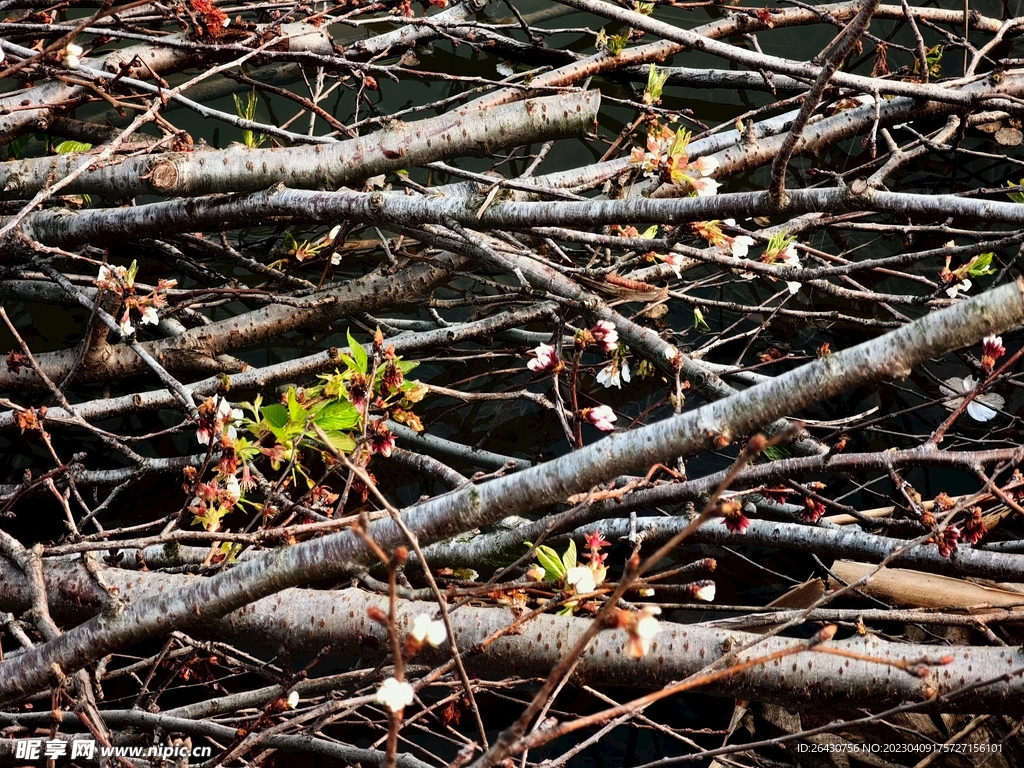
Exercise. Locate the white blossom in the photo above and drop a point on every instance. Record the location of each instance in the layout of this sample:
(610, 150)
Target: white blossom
(739, 246)
(962, 287)
(149, 316)
(706, 165)
(227, 416)
(231, 487)
(675, 260)
(71, 55)
(705, 187)
(395, 695)
(581, 578)
(983, 407)
(424, 629)
(705, 593)
(613, 374)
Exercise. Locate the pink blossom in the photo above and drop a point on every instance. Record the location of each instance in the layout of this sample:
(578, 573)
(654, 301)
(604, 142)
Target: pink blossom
(546, 359)
(604, 333)
(601, 417)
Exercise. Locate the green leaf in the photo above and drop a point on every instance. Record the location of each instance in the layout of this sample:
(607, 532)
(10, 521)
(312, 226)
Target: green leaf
(291, 245)
(551, 563)
(655, 84)
(253, 407)
(981, 265)
(776, 453)
(71, 147)
(679, 143)
(569, 558)
(778, 242)
(617, 43)
(296, 413)
(342, 442)
(698, 320)
(276, 416)
(358, 353)
(337, 415)
(15, 146)
(1016, 195)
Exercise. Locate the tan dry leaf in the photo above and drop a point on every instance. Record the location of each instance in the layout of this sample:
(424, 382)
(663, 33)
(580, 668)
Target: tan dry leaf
(1009, 137)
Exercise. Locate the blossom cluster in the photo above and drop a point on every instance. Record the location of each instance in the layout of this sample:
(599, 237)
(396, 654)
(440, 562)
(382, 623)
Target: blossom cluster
(217, 497)
(545, 359)
(666, 158)
(136, 309)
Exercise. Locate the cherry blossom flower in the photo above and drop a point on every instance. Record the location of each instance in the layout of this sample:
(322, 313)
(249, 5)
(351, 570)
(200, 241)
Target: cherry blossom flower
(946, 540)
(981, 408)
(675, 260)
(546, 359)
(704, 186)
(739, 246)
(733, 517)
(666, 158)
(581, 579)
(358, 390)
(705, 166)
(112, 278)
(789, 257)
(813, 510)
(703, 591)
(595, 540)
(425, 629)
(991, 350)
(232, 492)
(71, 56)
(613, 374)
(642, 630)
(149, 316)
(217, 421)
(601, 417)
(974, 527)
(380, 438)
(395, 695)
(961, 287)
(605, 334)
